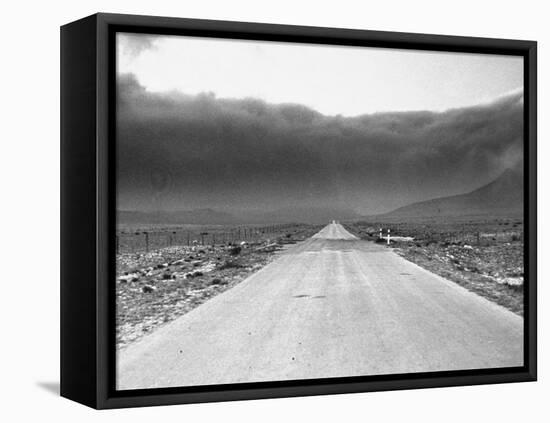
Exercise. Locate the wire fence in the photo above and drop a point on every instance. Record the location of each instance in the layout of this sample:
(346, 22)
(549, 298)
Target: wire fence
(152, 240)
(473, 238)
(479, 238)
(474, 234)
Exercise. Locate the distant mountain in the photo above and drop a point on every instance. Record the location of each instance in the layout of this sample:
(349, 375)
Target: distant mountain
(214, 217)
(502, 196)
(302, 215)
(199, 217)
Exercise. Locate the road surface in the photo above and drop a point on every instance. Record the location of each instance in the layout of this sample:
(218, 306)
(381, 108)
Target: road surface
(330, 306)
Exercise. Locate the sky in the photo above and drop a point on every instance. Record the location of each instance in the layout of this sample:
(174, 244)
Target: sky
(241, 126)
(333, 80)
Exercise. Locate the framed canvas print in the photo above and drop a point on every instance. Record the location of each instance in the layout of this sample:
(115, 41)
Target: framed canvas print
(255, 211)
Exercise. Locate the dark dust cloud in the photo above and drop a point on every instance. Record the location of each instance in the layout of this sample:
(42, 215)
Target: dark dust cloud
(182, 152)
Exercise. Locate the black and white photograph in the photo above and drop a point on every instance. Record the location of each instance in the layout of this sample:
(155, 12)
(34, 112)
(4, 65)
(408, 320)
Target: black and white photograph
(276, 211)
(291, 211)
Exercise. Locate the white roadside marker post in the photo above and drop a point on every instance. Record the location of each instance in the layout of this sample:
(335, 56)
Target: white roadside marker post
(388, 237)
(380, 236)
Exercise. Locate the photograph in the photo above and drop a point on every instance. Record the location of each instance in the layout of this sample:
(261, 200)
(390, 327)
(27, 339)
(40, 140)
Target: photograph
(292, 211)
(275, 212)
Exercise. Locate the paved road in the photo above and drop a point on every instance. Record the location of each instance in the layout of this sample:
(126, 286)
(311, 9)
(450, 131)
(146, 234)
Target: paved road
(330, 306)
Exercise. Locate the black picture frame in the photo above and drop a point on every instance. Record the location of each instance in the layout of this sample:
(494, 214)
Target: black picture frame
(88, 213)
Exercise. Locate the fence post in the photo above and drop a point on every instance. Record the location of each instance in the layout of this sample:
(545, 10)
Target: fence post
(146, 241)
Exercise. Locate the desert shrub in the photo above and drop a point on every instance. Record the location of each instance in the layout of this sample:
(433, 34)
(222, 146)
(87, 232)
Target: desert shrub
(235, 251)
(230, 264)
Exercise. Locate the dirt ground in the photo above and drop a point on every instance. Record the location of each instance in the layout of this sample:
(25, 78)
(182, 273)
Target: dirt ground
(156, 287)
(484, 256)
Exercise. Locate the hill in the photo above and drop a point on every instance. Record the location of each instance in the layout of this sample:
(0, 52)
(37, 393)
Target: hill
(198, 217)
(216, 217)
(503, 196)
(301, 214)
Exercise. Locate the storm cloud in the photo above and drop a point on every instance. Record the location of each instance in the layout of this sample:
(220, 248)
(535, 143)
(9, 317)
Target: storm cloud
(177, 151)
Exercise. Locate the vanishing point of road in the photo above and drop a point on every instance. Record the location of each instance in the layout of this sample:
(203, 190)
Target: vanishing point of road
(330, 306)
